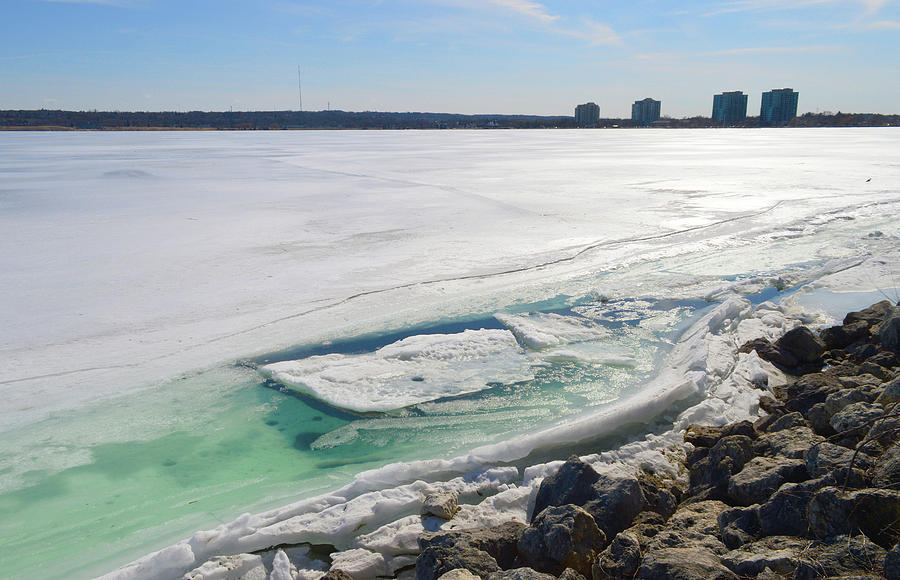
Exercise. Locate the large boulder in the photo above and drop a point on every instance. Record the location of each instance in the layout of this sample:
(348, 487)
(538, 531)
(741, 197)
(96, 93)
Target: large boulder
(844, 335)
(709, 435)
(435, 561)
(738, 526)
(886, 471)
(802, 343)
(889, 333)
(792, 443)
(770, 352)
(571, 484)
(808, 390)
(761, 477)
(615, 503)
(692, 525)
(499, 542)
(784, 514)
(892, 563)
(825, 457)
(841, 557)
(695, 563)
(780, 554)
(561, 537)
(872, 315)
(519, 574)
(855, 420)
(873, 512)
(621, 558)
(724, 459)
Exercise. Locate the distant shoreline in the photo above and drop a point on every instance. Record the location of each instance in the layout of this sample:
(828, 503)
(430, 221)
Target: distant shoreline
(58, 120)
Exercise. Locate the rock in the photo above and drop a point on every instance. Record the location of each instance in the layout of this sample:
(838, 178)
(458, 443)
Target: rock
(572, 484)
(873, 512)
(792, 443)
(841, 557)
(855, 420)
(807, 391)
(779, 554)
(784, 514)
(844, 335)
(442, 504)
(886, 471)
(890, 394)
(692, 525)
(802, 343)
(788, 421)
(738, 526)
(683, 564)
(824, 457)
(837, 400)
(889, 333)
(769, 352)
(820, 420)
(708, 435)
(570, 574)
(875, 369)
(435, 561)
(872, 315)
(459, 574)
(336, 574)
(499, 542)
(519, 574)
(892, 563)
(762, 476)
(243, 566)
(615, 503)
(661, 495)
(620, 559)
(725, 458)
(561, 537)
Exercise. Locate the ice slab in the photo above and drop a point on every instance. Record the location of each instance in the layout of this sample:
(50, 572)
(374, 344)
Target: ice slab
(414, 370)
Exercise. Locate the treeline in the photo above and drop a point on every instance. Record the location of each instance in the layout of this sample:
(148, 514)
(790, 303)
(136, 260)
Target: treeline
(274, 120)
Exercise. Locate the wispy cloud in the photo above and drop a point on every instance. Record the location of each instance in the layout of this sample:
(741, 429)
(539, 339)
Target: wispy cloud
(884, 25)
(594, 33)
(527, 8)
(870, 6)
(771, 50)
(118, 3)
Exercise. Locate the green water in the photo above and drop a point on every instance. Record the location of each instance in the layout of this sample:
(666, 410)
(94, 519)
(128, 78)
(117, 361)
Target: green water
(83, 493)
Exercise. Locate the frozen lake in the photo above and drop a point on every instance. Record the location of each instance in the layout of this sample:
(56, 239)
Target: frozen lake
(559, 266)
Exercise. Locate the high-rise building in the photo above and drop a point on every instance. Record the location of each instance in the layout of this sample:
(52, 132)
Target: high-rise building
(645, 112)
(730, 108)
(587, 115)
(778, 107)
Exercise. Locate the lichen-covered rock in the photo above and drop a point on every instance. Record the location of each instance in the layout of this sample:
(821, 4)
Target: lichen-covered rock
(519, 574)
(873, 512)
(802, 343)
(692, 525)
(709, 435)
(890, 393)
(792, 443)
(825, 457)
(435, 561)
(620, 559)
(561, 537)
(500, 542)
(886, 471)
(780, 554)
(661, 495)
(889, 333)
(788, 421)
(762, 476)
(441, 504)
(724, 459)
(840, 399)
(784, 514)
(459, 574)
(738, 526)
(694, 563)
(571, 484)
(615, 503)
(856, 417)
(808, 390)
(841, 557)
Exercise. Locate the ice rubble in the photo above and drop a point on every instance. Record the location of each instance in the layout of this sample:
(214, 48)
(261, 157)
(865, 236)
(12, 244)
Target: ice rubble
(373, 522)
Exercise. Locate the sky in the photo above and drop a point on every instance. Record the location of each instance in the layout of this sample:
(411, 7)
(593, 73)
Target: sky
(457, 56)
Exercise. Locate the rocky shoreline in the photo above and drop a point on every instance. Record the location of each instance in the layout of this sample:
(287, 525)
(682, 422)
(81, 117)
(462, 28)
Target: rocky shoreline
(811, 490)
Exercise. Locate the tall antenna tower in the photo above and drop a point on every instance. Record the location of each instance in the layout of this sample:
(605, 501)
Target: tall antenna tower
(300, 87)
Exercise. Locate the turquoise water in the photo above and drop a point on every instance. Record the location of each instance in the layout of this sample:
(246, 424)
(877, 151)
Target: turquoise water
(119, 479)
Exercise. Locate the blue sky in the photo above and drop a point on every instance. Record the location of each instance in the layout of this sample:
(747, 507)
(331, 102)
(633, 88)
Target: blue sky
(466, 56)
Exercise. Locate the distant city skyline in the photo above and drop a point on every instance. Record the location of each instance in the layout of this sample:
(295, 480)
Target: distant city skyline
(457, 56)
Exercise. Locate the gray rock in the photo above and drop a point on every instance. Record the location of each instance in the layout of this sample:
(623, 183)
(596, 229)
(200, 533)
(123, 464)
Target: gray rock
(738, 526)
(762, 476)
(857, 417)
(692, 525)
(770, 352)
(724, 459)
(824, 457)
(788, 421)
(435, 561)
(864, 382)
(840, 399)
(709, 435)
(561, 537)
(873, 512)
(499, 542)
(442, 504)
(876, 370)
(890, 394)
(802, 343)
(792, 443)
(784, 514)
(683, 564)
(807, 391)
(459, 574)
(336, 574)
(820, 420)
(779, 554)
(620, 559)
(872, 315)
(570, 574)
(889, 333)
(892, 563)
(572, 484)
(661, 495)
(841, 557)
(615, 503)
(886, 471)
(519, 574)
(844, 335)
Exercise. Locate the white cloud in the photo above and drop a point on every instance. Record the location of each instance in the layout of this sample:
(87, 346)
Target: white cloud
(770, 50)
(595, 33)
(885, 25)
(527, 8)
(120, 3)
(870, 6)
